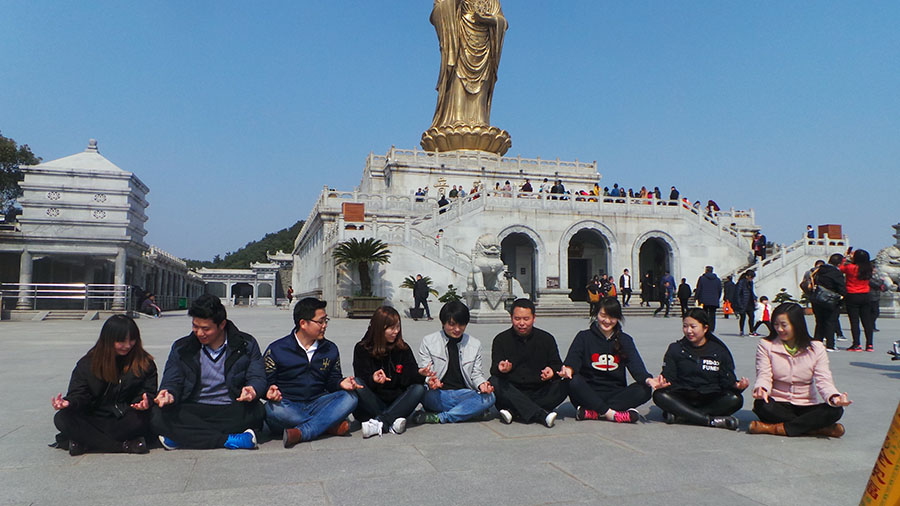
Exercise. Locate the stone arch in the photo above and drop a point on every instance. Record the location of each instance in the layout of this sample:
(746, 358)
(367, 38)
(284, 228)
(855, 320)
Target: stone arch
(605, 232)
(673, 253)
(539, 254)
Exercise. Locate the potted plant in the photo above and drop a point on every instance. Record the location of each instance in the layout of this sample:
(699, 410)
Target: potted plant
(362, 253)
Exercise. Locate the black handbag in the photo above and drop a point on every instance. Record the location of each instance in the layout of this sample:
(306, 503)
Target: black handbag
(823, 296)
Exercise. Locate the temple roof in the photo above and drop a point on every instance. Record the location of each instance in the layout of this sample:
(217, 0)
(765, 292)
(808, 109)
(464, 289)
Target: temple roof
(89, 159)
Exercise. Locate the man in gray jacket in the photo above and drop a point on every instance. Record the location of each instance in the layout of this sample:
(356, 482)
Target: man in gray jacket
(451, 359)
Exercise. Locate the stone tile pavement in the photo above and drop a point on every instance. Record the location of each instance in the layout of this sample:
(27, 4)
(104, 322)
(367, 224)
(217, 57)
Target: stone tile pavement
(472, 463)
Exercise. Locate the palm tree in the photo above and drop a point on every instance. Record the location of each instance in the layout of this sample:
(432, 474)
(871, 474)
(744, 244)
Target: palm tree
(362, 253)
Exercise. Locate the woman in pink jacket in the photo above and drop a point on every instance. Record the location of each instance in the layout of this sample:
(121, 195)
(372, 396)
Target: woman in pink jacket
(790, 368)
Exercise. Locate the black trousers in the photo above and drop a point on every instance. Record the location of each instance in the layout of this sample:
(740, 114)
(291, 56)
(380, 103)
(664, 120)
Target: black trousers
(423, 301)
(202, 426)
(583, 394)
(768, 325)
(684, 306)
(101, 433)
(528, 404)
(797, 420)
(664, 303)
(695, 408)
(859, 307)
(711, 313)
(826, 318)
(626, 296)
(372, 406)
(741, 316)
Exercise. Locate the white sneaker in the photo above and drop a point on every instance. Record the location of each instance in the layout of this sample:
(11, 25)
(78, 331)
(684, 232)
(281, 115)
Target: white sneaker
(550, 419)
(371, 428)
(505, 416)
(399, 426)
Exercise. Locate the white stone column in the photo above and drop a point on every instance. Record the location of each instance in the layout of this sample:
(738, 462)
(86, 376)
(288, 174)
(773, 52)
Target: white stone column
(119, 279)
(26, 269)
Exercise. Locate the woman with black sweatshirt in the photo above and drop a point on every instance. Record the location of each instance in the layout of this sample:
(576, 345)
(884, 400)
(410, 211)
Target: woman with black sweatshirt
(699, 370)
(385, 364)
(106, 408)
(596, 365)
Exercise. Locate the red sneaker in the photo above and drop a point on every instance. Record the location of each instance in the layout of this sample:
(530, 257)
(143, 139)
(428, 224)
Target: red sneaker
(855, 348)
(869, 347)
(586, 414)
(630, 416)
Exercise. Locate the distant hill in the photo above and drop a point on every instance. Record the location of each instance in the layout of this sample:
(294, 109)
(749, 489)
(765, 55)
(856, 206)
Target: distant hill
(254, 251)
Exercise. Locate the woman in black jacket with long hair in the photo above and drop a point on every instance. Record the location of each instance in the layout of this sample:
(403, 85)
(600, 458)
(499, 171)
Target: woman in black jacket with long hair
(106, 408)
(703, 388)
(386, 366)
(596, 364)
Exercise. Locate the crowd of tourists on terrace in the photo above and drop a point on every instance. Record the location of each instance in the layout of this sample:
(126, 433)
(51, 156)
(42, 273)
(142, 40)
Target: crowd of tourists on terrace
(556, 190)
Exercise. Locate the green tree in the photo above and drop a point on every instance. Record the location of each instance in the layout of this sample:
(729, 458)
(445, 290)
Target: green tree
(362, 253)
(11, 157)
(450, 296)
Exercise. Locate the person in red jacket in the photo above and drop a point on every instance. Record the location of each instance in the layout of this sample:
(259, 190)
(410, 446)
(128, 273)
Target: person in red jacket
(858, 273)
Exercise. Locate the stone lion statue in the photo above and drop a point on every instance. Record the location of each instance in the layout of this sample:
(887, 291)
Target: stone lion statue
(887, 264)
(486, 264)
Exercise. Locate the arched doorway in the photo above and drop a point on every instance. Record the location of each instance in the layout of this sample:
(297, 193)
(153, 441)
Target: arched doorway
(655, 257)
(242, 293)
(517, 251)
(588, 254)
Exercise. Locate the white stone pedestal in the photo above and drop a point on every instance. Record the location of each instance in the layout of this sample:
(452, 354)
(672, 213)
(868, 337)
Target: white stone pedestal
(487, 306)
(889, 305)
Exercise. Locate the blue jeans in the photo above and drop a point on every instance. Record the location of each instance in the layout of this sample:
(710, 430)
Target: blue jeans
(457, 405)
(311, 417)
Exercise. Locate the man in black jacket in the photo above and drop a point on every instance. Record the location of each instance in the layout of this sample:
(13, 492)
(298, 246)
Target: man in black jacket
(209, 394)
(524, 361)
(709, 290)
(828, 276)
(420, 294)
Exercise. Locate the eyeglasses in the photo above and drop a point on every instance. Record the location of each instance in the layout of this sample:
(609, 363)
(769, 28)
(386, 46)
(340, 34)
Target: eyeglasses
(322, 322)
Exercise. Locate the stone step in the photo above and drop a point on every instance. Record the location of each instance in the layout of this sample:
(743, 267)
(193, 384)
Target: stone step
(65, 315)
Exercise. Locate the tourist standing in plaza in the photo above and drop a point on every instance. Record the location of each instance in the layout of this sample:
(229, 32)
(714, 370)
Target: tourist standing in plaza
(648, 289)
(744, 302)
(209, 394)
(451, 359)
(876, 286)
(106, 408)
(859, 306)
(625, 287)
(684, 296)
(829, 277)
(307, 393)
(386, 366)
(596, 364)
(790, 368)
(593, 295)
(704, 389)
(709, 291)
(524, 361)
(420, 294)
(728, 287)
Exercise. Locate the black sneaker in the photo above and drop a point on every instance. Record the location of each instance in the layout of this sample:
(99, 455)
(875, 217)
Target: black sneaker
(724, 422)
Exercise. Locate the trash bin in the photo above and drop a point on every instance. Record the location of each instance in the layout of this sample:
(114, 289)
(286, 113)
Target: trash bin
(182, 302)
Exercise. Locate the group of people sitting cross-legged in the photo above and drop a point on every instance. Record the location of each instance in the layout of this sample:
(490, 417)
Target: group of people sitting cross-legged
(215, 380)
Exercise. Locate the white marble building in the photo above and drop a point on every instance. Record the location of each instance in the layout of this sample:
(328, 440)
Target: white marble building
(83, 221)
(552, 246)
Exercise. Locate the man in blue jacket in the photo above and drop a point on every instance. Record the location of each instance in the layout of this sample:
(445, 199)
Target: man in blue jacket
(307, 394)
(209, 394)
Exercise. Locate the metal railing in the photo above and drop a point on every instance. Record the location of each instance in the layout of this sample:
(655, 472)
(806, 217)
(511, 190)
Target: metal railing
(72, 296)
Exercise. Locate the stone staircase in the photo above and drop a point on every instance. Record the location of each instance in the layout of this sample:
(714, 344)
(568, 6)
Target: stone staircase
(580, 309)
(64, 314)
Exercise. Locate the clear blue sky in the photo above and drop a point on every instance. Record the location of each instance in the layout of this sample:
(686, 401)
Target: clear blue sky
(235, 114)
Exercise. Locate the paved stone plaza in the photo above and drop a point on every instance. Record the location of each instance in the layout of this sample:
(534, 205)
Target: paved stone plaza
(470, 463)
